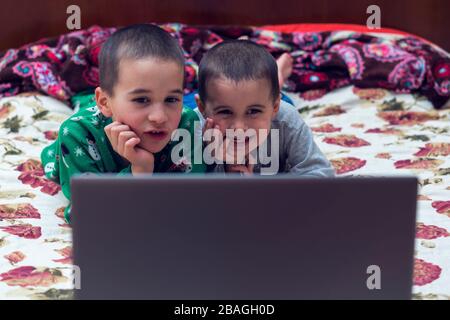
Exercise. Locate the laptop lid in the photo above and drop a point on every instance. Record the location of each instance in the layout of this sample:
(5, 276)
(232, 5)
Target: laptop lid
(171, 237)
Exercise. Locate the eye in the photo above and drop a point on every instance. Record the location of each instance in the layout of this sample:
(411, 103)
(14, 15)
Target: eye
(172, 100)
(254, 111)
(224, 112)
(141, 100)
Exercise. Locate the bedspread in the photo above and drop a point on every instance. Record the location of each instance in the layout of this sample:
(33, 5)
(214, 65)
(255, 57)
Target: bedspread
(364, 132)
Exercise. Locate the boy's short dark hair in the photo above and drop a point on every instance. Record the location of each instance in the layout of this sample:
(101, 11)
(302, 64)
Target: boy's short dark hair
(238, 60)
(135, 42)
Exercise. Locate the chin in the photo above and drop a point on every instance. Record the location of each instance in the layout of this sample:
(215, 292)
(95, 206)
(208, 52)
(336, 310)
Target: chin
(154, 147)
(232, 158)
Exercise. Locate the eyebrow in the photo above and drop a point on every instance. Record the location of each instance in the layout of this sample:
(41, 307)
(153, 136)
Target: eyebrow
(256, 106)
(142, 90)
(221, 107)
(139, 90)
(250, 106)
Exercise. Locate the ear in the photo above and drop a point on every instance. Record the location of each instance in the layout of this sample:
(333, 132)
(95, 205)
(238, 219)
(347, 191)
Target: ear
(276, 106)
(200, 105)
(103, 102)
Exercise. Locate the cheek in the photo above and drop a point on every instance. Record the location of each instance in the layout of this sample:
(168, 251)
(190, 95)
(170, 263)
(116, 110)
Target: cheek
(222, 123)
(175, 117)
(132, 119)
(121, 111)
(262, 122)
(262, 136)
(267, 126)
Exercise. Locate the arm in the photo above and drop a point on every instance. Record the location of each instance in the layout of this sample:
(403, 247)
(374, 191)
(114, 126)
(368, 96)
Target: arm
(303, 155)
(71, 154)
(125, 142)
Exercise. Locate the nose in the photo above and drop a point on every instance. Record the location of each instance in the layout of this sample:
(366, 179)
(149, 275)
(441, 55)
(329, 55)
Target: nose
(239, 124)
(158, 114)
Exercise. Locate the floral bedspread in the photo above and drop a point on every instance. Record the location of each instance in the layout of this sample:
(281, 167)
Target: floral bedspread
(35, 242)
(362, 132)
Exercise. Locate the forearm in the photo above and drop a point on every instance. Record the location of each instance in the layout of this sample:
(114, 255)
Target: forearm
(136, 169)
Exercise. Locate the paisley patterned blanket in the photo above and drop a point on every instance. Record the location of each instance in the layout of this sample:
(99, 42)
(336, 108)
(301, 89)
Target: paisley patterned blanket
(68, 64)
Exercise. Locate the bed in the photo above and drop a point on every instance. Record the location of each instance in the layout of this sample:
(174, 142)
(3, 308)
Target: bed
(363, 128)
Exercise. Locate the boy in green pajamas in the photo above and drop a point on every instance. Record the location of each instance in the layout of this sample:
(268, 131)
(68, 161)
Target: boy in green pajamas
(138, 105)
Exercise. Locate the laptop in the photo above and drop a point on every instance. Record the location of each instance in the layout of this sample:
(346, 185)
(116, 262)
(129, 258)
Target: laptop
(254, 238)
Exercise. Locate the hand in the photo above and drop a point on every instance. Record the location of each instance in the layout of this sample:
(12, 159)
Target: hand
(217, 134)
(245, 170)
(125, 142)
(225, 146)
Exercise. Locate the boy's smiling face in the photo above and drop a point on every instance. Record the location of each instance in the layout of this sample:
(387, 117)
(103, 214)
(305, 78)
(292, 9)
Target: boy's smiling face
(247, 104)
(148, 97)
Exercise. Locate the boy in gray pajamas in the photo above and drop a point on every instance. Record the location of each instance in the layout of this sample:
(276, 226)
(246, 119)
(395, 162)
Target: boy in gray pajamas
(240, 105)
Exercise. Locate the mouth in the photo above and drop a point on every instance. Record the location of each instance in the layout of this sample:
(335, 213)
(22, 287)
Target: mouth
(245, 139)
(241, 140)
(156, 134)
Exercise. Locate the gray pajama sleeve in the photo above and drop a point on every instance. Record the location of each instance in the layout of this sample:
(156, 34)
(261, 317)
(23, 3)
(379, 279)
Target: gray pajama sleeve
(303, 156)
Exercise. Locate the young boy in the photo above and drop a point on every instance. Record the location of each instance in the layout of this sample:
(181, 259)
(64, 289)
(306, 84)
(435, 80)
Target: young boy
(139, 103)
(239, 90)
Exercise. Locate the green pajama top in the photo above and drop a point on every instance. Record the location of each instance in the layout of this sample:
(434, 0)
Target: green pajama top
(82, 146)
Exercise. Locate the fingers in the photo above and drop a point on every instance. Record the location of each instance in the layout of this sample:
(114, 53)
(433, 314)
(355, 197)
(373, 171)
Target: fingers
(129, 148)
(108, 130)
(251, 160)
(113, 130)
(125, 142)
(217, 138)
(222, 144)
(123, 138)
(249, 170)
(234, 168)
(209, 124)
(242, 169)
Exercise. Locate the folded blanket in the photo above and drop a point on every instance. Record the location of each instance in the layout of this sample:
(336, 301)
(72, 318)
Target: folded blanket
(65, 65)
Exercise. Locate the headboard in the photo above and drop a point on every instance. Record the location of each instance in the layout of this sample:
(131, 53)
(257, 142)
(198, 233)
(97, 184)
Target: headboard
(24, 21)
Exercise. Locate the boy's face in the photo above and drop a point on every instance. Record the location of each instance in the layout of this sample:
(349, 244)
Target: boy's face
(247, 104)
(148, 97)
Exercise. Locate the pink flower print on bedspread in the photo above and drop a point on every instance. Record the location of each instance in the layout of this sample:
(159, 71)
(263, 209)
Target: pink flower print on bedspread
(15, 257)
(344, 165)
(26, 231)
(33, 174)
(407, 118)
(442, 207)
(425, 272)
(29, 276)
(429, 232)
(434, 150)
(346, 141)
(19, 211)
(67, 255)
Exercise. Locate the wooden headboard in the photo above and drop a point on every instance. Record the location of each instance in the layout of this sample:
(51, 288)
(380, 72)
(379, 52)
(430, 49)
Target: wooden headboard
(24, 21)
